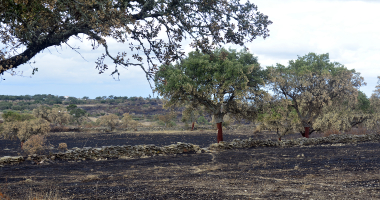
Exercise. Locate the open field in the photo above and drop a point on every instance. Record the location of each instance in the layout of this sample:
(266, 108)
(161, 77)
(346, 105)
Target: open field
(337, 171)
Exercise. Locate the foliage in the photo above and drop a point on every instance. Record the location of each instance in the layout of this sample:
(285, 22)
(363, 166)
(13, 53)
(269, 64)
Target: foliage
(277, 116)
(363, 102)
(30, 27)
(202, 120)
(59, 115)
(311, 83)
(344, 117)
(42, 112)
(77, 114)
(129, 122)
(167, 119)
(11, 116)
(221, 82)
(161, 123)
(25, 129)
(191, 112)
(110, 120)
(22, 126)
(35, 144)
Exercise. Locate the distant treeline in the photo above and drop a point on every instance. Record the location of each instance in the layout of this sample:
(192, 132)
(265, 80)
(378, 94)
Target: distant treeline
(29, 102)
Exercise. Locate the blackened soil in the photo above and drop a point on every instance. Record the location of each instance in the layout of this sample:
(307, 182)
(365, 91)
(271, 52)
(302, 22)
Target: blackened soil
(75, 139)
(339, 171)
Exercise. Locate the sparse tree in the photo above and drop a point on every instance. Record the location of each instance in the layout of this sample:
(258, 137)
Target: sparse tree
(191, 113)
(42, 112)
(110, 120)
(30, 26)
(59, 115)
(56, 115)
(221, 82)
(311, 83)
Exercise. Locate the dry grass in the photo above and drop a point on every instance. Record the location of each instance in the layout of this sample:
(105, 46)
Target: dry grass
(331, 132)
(358, 131)
(51, 195)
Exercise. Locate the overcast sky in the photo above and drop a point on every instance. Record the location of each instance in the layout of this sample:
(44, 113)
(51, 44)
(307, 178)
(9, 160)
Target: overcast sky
(348, 30)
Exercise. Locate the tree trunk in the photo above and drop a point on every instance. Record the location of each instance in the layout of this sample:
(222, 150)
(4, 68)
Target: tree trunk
(306, 134)
(220, 132)
(192, 126)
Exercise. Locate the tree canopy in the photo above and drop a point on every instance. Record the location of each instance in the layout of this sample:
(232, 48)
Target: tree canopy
(221, 81)
(27, 27)
(311, 83)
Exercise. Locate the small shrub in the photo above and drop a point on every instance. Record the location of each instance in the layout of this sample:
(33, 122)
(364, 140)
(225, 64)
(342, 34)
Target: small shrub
(35, 144)
(133, 124)
(62, 146)
(171, 124)
(111, 121)
(160, 123)
(202, 120)
(225, 124)
(257, 130)
(330, 132)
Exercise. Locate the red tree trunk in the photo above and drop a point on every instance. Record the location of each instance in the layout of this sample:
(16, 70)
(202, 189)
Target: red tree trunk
(306, 132)
(192, 126)
(220, 132)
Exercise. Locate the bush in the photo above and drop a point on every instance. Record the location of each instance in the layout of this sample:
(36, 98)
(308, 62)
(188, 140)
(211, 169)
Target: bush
(35, 144)
(11, 116)
(23, 130)
(129, 122)
(161, 123)
(110, 121)
(62, 146)
(202, 120)
(59, 115)
(171, 124)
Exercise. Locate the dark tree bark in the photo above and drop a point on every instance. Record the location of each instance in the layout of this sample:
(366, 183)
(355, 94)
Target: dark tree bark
(220, 132)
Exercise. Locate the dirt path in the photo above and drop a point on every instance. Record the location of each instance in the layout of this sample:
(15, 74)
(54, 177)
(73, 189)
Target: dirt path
(349, 171)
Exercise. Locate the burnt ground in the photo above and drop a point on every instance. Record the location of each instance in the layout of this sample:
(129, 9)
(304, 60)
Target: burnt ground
(338, 171)
(203, 138)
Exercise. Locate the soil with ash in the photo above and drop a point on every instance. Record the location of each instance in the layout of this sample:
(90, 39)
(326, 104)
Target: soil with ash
(337, 171)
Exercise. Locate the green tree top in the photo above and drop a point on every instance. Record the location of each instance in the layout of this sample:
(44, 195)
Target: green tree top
(220, 81)
(312, 82)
